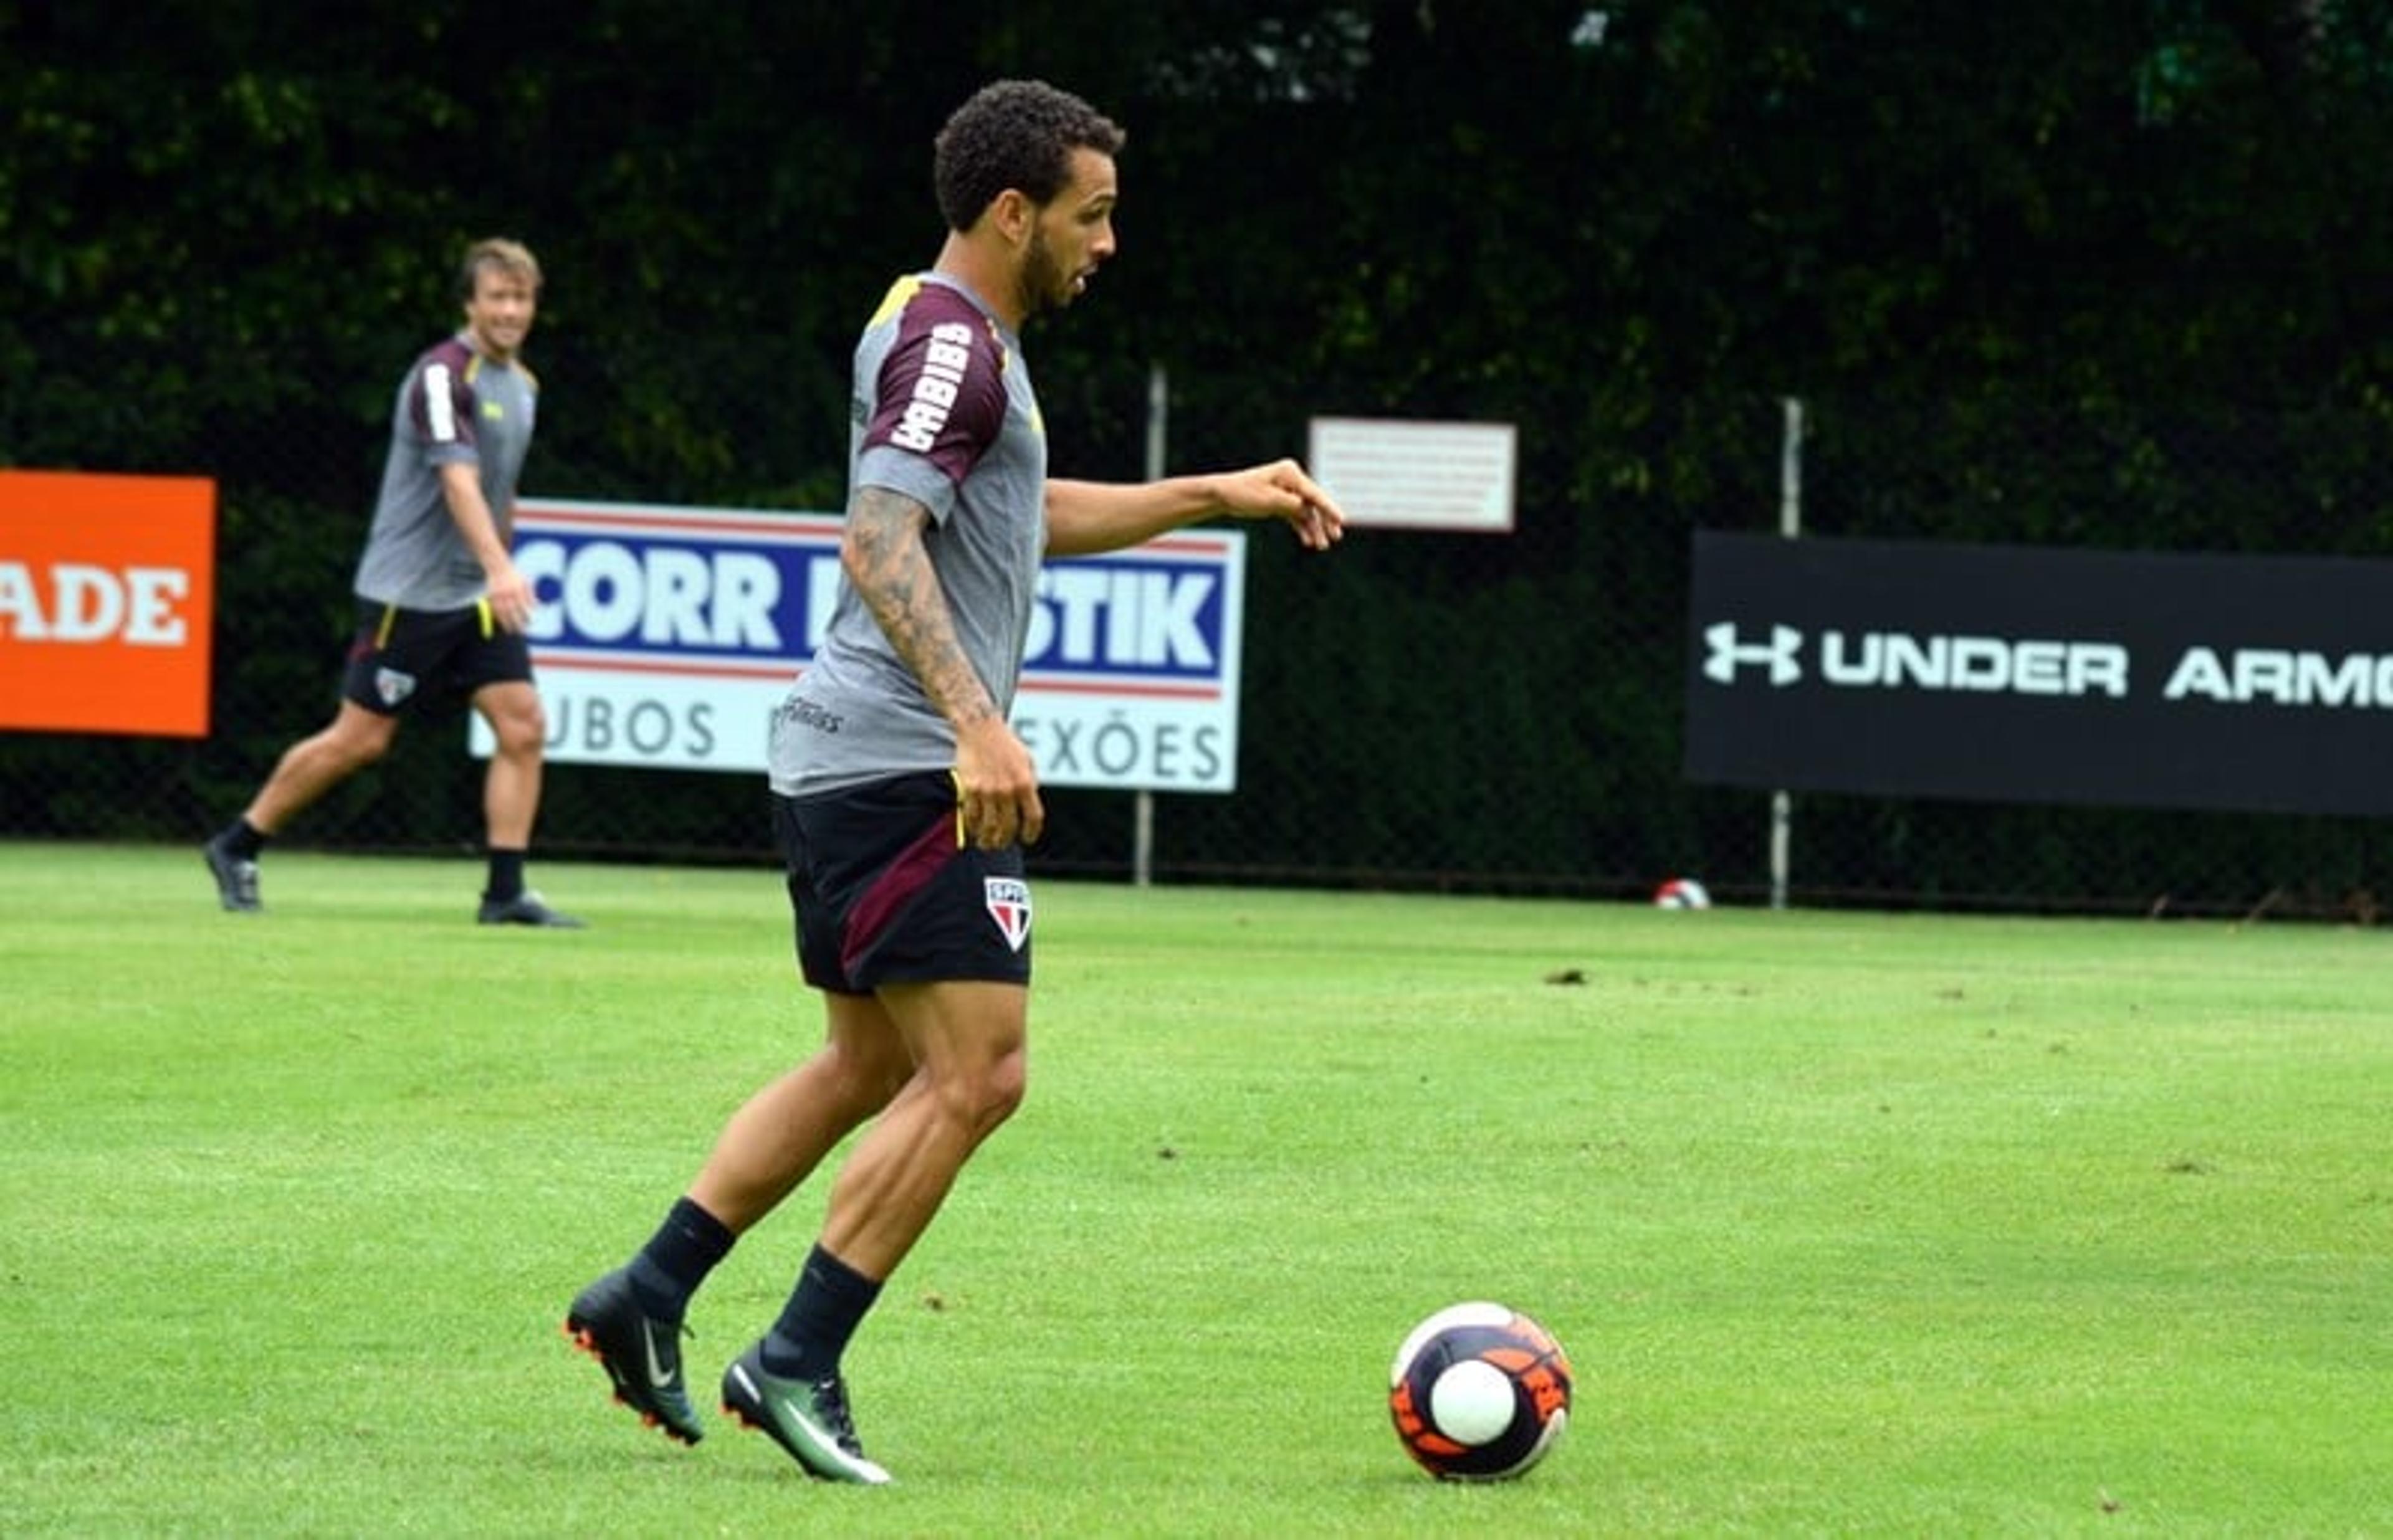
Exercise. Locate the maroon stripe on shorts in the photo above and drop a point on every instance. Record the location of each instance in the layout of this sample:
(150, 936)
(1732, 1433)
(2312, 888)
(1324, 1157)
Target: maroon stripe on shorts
(894, 888)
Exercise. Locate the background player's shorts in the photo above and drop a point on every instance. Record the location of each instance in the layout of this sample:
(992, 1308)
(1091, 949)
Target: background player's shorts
(885, 892)
(408, 659)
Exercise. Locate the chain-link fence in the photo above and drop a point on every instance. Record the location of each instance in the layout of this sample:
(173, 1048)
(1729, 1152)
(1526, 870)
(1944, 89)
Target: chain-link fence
(1469, 711)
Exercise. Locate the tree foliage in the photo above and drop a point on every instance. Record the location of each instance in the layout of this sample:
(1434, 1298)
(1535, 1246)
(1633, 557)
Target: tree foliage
(1626, 226)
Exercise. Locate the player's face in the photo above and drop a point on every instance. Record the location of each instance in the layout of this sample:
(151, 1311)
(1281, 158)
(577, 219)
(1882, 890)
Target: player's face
(500, 313)
(1071, 237)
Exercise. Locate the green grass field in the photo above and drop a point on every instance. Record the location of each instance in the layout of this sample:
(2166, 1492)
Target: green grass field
(1852, 1224)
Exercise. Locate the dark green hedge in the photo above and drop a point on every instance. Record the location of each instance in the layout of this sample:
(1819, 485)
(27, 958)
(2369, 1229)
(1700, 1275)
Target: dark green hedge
(2107, 276)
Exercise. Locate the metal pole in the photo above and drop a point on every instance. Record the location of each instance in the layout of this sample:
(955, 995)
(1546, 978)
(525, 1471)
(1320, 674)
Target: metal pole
(1159, 411)
(1790, 525)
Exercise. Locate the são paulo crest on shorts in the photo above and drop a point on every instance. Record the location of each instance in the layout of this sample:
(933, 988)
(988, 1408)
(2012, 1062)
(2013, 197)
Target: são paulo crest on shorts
(1009, 904)
(393, 685)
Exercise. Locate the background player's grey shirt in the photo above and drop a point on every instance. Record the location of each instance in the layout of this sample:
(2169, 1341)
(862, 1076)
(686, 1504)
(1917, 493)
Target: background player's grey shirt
(454, 406)
(944, 413)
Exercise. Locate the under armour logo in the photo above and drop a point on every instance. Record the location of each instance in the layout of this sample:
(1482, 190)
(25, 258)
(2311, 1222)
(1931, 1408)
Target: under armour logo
(1726, 654)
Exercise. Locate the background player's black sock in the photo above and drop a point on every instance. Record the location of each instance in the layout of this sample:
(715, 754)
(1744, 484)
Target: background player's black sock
(823, 1313)
(677, 1258)
(507, 875)
(241, 841)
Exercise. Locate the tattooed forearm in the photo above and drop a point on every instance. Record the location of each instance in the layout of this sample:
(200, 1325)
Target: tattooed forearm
(882, 551)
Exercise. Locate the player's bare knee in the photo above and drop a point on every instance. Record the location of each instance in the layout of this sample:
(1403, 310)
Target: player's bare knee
(983, 1095)
(996, 1089)
(520, 732)
(357, 750)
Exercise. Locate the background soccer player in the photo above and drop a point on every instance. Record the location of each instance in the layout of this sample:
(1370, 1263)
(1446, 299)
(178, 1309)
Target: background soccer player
(441, 607)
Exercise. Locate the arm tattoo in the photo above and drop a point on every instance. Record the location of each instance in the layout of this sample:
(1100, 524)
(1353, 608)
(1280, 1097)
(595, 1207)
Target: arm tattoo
(883, 554)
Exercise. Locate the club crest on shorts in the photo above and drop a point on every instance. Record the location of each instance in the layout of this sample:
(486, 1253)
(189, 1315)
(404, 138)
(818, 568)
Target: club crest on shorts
(393, 685)
(1009, 904)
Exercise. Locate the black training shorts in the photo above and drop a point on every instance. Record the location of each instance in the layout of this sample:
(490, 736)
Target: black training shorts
(885, 891)
(408, 659)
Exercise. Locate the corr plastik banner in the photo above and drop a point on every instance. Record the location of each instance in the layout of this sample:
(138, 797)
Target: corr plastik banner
(2017, 674)
(666, 636)
(106, 602)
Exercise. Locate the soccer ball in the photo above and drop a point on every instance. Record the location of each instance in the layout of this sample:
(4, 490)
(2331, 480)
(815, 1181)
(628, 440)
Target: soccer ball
(1479, 1392)
(1681, 893)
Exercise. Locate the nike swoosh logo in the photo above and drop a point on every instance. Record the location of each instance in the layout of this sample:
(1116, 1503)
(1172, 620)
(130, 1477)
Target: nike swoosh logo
(659, 1375)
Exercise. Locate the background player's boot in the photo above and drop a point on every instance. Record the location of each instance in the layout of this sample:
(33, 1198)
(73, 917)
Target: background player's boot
(236, 878)
(525, 908)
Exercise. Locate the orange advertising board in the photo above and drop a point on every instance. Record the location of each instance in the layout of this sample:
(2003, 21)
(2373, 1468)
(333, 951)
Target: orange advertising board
(106, 602)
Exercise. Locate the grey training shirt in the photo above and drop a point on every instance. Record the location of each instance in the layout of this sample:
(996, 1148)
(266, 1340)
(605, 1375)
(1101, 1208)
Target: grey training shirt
(944, 414)
(454, 406)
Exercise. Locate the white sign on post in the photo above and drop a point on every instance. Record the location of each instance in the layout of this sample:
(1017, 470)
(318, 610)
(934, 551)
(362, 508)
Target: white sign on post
(1416, 476)
(666, 637)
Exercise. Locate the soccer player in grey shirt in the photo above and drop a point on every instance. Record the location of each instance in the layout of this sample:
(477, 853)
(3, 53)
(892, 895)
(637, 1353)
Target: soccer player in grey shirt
(442, 607)
(902, 797)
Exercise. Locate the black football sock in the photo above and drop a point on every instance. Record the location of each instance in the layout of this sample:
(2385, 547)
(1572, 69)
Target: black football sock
(823, 1313)
(507, 875)
(241, 841)
(677, 1258)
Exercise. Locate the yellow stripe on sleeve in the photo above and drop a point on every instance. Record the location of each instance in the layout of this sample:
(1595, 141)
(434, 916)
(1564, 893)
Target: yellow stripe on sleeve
(894, 300)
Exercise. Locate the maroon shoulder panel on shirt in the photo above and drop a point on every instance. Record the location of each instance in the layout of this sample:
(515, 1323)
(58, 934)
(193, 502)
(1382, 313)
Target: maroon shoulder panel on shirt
(941, 391)
(459, 359)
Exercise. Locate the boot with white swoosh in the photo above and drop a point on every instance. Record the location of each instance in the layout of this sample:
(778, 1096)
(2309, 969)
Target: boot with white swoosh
(640, 1353)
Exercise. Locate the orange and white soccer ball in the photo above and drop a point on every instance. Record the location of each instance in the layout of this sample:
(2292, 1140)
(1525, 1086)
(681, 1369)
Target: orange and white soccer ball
(1479, 1392)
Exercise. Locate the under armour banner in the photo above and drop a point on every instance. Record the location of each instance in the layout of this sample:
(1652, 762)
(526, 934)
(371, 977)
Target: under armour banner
(2019, 674)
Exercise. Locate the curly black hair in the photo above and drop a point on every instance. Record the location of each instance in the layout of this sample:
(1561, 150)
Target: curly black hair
(1017, 134)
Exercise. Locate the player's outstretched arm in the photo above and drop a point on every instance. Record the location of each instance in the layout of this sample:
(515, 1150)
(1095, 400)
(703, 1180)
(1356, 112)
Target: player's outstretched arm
(1086, 517)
